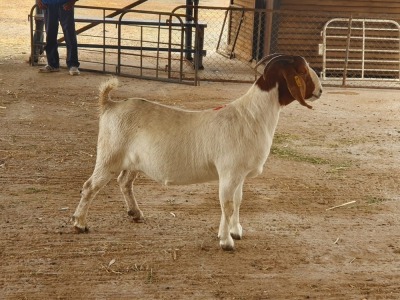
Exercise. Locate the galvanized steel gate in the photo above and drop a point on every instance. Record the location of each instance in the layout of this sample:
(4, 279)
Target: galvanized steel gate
(146, 44)
(363, 49)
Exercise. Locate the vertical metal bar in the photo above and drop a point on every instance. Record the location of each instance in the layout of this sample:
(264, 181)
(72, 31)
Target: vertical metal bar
(324, 52)
(258, 35)
(119, 44)
(198, 44)
(196, 9)
(398, 29)
(32, 59)
(104, 40)
(169, 47)
(269, 16)
(257, 54)
(363, 50)
(346, 61)
(181, 53)
(197, 52)
(188, 29)
(158, 44)
(141, 50)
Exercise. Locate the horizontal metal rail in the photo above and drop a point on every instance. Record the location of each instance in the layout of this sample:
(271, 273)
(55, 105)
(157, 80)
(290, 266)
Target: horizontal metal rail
(348, 35)
(171, 22)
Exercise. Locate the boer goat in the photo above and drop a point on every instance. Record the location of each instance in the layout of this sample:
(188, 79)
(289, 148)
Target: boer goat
(175, 146)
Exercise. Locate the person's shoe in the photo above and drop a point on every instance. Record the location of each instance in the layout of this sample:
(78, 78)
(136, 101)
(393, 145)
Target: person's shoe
(48, 69)
(74, 71)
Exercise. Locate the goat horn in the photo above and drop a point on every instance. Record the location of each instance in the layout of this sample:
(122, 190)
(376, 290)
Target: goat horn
(273, 58)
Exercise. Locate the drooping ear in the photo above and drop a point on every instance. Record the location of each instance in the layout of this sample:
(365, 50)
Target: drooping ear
(296, 85)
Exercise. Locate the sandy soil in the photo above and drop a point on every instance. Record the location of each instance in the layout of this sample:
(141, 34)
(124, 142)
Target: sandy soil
(346, 149)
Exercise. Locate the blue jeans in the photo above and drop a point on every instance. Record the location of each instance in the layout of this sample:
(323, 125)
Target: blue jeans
(54, 14)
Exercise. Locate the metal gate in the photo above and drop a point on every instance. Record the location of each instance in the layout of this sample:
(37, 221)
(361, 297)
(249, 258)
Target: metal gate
(134, 43)
(224, 43)
(361, 49)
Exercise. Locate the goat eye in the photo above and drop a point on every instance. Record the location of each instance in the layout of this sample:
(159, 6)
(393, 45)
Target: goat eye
(303, 72)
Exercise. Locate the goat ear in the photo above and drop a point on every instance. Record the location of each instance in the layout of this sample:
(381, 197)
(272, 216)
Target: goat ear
(296, 86)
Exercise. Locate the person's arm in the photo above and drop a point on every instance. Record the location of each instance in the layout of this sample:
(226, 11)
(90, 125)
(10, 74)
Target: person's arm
(69, 5)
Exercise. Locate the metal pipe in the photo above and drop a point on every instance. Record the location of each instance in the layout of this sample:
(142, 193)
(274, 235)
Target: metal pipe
(188, 29)
(104, 40)
(346, 61)
(363, 51)
(30, 17)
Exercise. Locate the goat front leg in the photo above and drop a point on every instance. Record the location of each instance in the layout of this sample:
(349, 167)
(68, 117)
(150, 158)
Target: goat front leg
(227, 189)
(125, 180)
(235, 228)
(90, 188)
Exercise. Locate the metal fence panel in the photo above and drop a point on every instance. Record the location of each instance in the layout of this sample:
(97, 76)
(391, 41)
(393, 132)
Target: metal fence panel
(225, 43)
(134, 43)
(368, 47)
(236, 38)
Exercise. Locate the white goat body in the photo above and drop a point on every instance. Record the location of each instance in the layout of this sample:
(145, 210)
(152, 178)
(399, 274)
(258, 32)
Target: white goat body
(175, 146)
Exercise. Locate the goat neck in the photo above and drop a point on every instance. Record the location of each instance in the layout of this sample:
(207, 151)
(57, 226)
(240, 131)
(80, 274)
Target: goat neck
(260, 108)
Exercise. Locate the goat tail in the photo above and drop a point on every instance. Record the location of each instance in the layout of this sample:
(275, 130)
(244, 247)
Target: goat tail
(105, 89)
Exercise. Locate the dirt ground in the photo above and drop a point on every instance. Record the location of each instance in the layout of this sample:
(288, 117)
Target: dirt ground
(294, 247)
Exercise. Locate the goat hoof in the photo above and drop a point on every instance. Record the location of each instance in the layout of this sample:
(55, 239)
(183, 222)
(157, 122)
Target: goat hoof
(236, 236)
(137, 216)
(81, 230)
(227, 246)
(236, 232)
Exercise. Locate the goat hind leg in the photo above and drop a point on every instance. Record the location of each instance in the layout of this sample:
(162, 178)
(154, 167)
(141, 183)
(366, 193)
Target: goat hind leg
(235, 228)
(90, 188)
(125, 180)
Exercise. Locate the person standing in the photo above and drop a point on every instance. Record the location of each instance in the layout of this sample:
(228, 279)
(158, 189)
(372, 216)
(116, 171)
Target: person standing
(55, 12)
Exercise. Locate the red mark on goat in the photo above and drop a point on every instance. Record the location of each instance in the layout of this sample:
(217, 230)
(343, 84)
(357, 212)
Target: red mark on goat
(219, 107)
